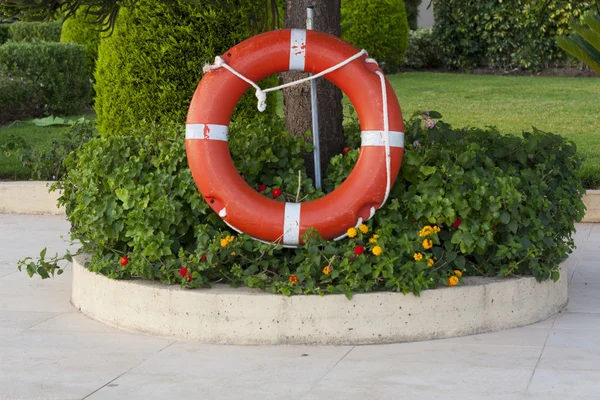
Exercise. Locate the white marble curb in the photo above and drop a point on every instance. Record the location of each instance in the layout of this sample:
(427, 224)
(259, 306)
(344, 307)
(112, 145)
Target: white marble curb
(245, 316)
(592, 204)
(28, 197)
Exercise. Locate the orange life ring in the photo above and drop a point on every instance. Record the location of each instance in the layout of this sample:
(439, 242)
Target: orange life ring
(242, 207)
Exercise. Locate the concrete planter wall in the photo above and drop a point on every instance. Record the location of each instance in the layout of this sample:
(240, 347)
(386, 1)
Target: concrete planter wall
(244, 316)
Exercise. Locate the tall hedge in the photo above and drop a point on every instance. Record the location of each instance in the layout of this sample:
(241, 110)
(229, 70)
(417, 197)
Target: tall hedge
(78, 30)
(149, 68)
(58, 68)
(506, 34)
(380, 27)
(35, 31)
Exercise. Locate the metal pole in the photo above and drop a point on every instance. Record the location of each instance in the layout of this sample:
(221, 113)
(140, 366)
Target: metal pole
(310, 25)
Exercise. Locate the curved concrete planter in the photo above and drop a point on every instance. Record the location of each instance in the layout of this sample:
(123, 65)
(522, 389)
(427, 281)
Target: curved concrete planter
(244, 316)
(28, 197)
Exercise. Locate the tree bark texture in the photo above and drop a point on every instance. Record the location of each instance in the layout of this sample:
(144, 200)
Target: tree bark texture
(296, 99)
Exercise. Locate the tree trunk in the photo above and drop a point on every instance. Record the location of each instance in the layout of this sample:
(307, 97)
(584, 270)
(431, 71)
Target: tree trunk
(296, 100)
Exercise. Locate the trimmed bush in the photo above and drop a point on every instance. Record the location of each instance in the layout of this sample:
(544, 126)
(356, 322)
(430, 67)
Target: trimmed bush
(423, 50)
(35, 31)
(19, 99)
(4, 34)
(380, 27)
(58, 68)
(140, 78)
(78, 30)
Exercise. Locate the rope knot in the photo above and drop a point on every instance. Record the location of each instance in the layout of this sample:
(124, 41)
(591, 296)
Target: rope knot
(262, 99)
(216, 65)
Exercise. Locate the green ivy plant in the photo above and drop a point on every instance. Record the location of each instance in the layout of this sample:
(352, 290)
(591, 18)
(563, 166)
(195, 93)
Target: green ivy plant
(466, 202)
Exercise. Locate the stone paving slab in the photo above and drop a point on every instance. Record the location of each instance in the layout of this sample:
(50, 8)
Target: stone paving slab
(50, 351)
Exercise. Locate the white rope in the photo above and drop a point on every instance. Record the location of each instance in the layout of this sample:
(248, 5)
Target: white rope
(386, 134)
(261, 95)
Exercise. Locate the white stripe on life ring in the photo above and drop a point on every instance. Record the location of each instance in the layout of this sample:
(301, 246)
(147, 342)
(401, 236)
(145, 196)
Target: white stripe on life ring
(206, 132)
(375, 138)
(297, 49)
(291, 224)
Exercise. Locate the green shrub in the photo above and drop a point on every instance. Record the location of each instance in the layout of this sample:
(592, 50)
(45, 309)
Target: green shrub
(4, 34)
(380, 27)
(35, 31)
(19, 99)
(58, 68)
(78, 29)
(422, 51)
(467, 201)
(140, 78)
(507, 34)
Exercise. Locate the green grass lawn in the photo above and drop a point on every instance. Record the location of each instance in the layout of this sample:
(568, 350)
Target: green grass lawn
(37, 137)
(565, 106)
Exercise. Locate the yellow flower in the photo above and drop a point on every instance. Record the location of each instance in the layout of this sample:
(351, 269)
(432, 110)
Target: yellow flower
(327, 269)
(427, 244)
(374, 239)
(226, 241)
(377, 250)
(363, 228)
(426, 231)
(452, 281)
(233, 253)
(418, 256)
(436, 229)
(458, 273)
(352, 232)
(430, 262)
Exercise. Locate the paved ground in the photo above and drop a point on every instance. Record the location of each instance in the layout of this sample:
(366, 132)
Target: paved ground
(50, 351)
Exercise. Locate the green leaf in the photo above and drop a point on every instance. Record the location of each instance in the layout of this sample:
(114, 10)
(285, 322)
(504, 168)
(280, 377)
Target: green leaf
(428, 170)
(505, 217)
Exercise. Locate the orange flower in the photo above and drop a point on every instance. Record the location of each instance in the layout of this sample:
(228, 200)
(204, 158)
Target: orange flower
(427, 244)
(458, 273)
(418, 256)
(452, 281)
(293, 279)
(430, 262)
(327, 270)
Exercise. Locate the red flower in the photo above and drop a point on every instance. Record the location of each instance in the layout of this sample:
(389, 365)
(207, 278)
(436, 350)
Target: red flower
(188, 278)
(293, 279)
(262, 188)
(347, 150)
(124, 261)
(457, 223)
(351, 259)
(203, 258)
(276, 192)
(358, 250)
(183, 271)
